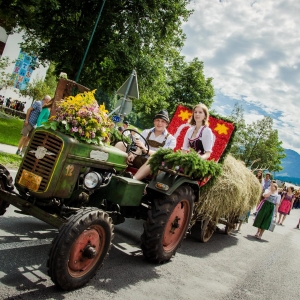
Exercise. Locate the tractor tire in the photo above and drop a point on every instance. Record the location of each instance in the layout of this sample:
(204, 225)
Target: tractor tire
(207, 230)
(5, 179)
(167, 224)
(80, 248)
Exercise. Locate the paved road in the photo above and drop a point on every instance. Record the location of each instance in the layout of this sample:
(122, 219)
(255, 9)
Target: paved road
(227, 267)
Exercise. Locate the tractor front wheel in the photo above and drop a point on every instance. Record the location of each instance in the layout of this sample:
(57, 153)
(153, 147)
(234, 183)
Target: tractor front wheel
(6, 184)
(80, 248)
(167, 224)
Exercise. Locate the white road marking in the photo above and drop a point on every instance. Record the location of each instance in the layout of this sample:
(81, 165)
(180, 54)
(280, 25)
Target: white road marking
(16, 245)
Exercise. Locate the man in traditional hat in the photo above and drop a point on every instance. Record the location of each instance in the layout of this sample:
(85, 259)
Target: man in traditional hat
(157, 137)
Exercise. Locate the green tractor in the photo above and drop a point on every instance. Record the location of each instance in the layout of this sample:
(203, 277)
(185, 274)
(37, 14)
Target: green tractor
(83, 190)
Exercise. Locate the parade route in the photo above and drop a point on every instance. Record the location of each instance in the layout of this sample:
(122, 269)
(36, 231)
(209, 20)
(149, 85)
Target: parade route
(235, 266)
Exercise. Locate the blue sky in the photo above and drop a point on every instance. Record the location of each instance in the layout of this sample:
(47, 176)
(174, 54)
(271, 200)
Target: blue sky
(252, 50)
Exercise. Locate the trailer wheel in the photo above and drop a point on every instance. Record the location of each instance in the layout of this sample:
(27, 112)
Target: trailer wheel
(80, 248)
(167, 224)
(6, 184)
(231, 221)
(207, 230)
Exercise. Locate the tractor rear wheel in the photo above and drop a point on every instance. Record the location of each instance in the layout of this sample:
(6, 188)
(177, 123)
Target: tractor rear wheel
(80, 248)
(167, 224)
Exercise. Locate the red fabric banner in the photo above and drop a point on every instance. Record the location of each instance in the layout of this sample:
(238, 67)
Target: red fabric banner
(221, 129)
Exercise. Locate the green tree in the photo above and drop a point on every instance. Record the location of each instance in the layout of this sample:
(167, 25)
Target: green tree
(140, 35)
(51, 79)
(37, 89)
(126, 31)
(188, 84)
(6, 80)
(260, 141)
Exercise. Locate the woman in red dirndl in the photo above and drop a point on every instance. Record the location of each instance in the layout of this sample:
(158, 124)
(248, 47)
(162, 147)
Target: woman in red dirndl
(286, 204)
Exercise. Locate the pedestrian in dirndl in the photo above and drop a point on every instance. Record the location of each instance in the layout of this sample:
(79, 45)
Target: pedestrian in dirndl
(286, 204)
(268, 211)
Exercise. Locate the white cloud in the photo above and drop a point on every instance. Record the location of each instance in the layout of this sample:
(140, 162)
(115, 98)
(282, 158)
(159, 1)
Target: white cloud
(251, 49)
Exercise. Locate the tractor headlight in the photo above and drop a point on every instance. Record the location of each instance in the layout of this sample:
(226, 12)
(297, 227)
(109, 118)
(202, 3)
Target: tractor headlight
(92, 180)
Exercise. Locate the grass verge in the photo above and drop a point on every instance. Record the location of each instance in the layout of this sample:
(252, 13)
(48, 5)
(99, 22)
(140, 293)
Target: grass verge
(10, 129)
(10, 161)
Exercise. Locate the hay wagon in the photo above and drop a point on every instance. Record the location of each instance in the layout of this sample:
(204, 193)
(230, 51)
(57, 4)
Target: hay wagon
(223, 196)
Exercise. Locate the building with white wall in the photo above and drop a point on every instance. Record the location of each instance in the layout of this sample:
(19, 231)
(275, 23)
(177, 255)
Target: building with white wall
(24, 72)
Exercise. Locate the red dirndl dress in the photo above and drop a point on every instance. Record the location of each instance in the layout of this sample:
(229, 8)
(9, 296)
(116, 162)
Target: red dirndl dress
(286, 204)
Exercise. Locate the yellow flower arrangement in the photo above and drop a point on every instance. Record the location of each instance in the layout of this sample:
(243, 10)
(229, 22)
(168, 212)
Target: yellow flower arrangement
(81, 117)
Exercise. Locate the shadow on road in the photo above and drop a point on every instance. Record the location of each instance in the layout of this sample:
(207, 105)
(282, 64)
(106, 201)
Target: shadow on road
(25, 227)
(219, 240)
(254, 239)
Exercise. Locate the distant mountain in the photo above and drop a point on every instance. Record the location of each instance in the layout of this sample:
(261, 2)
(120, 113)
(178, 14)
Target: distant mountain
(291, 167)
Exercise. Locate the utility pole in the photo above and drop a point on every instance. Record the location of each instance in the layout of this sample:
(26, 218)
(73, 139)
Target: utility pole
(89, 43)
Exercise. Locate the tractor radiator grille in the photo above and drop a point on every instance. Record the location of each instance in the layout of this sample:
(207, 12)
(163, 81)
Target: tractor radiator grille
(42, 167)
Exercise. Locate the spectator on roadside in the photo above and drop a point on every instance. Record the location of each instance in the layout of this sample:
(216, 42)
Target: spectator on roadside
(125, 126)
(22, 106)
(267, 181)
(268, 210)
(243, 219)
(260, 177)
(30, 122)
(45, 114)
(8, 100)
(297, 200)
(120, 129)
(286, 204)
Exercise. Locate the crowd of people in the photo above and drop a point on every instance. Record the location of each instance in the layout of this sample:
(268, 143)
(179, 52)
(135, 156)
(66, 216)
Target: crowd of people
(14, 104)
(275, 205)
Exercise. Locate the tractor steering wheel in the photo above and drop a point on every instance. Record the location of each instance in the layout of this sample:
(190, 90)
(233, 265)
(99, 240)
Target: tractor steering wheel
(132, 147)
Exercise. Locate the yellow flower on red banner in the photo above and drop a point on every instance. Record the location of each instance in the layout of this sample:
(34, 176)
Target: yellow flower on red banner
(221, 129)
(184, 115)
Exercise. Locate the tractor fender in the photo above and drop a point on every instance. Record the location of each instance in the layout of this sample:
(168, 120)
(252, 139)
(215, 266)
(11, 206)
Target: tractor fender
(166, 183)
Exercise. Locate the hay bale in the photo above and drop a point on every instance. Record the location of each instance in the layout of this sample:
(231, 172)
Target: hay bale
(234, 192)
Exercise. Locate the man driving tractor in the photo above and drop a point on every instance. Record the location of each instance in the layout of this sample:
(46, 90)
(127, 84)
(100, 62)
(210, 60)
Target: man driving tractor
(157, 137)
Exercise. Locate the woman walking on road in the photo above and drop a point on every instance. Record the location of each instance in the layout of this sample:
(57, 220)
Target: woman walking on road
(286, 204)
(266, 213)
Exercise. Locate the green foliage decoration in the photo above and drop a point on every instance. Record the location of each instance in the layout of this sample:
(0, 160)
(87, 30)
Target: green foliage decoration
(189, 164)
(115, 137)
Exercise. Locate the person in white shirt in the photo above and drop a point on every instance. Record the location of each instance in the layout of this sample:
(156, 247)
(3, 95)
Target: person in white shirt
(199, 137)
(157, 137)
(125, 126)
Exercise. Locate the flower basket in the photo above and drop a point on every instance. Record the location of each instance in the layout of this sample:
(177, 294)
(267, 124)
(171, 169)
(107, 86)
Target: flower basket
(81, 117)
